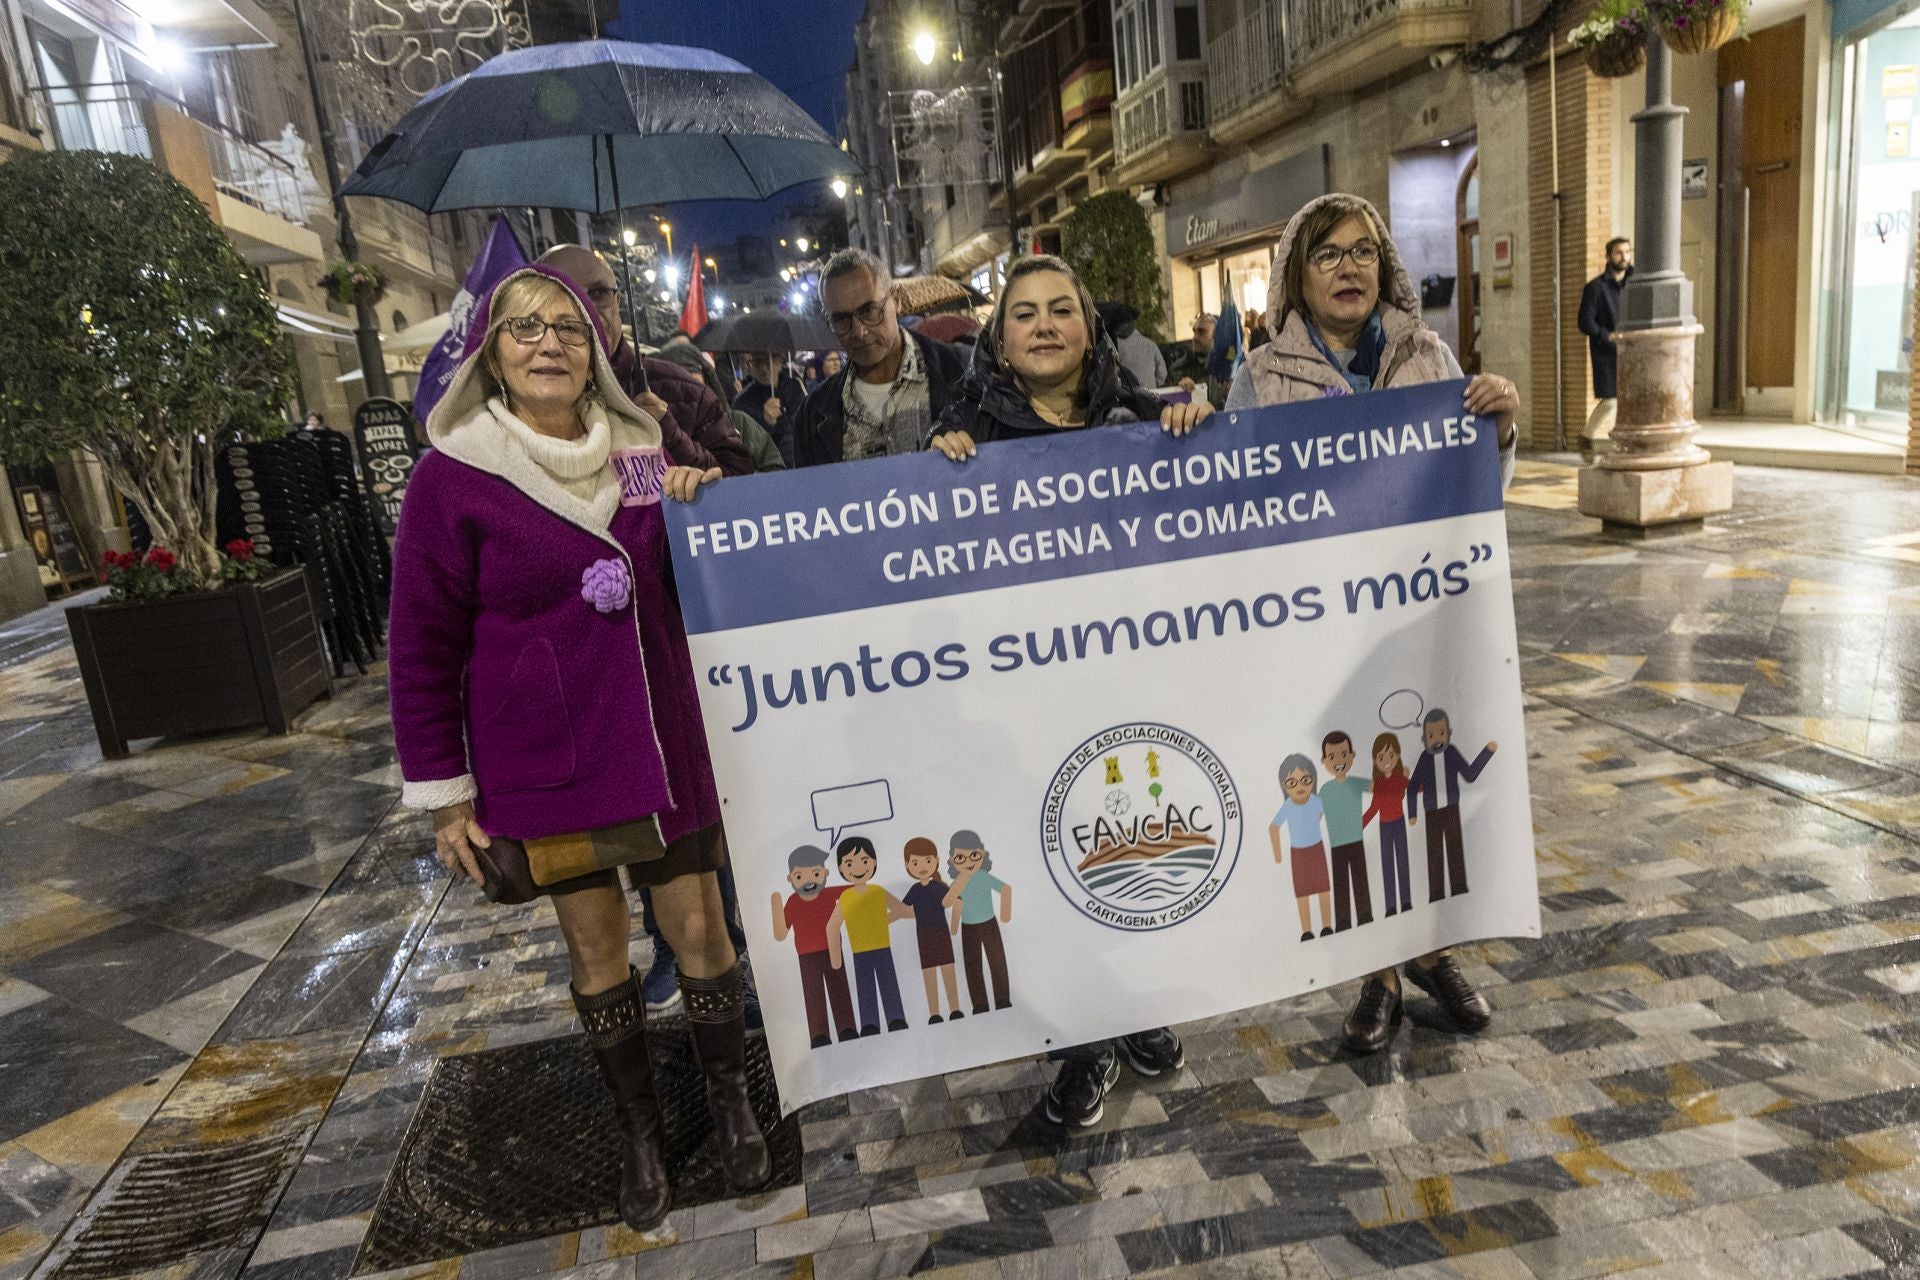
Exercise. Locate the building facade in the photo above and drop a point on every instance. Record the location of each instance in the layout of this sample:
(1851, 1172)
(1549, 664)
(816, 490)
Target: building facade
(217, 95)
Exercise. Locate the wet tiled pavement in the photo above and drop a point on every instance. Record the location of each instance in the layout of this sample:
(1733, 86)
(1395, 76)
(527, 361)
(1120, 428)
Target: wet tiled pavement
(1707, 1067)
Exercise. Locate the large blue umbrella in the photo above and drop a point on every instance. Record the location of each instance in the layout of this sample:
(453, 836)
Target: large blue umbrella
(598, 125)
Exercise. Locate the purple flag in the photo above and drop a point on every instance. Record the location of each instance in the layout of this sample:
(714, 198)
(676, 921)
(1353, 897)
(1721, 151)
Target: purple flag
(498, 258)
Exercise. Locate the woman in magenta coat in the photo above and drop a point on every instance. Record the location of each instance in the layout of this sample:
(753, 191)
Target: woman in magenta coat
(542, 691)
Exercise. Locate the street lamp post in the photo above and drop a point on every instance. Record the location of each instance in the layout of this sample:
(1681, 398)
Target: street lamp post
(366, 333)
(1656, 477)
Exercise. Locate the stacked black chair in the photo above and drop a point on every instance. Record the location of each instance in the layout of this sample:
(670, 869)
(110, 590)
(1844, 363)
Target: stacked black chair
(345, 483)
(281, 495)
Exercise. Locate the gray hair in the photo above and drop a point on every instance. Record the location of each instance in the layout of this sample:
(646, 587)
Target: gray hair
(1436, 716)
(1295, 763)
(964, 839)
(848, 261)
(807, 855)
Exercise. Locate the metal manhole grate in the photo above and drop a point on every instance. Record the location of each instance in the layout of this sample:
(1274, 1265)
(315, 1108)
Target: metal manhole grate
(521, 1143)
(167, 1206)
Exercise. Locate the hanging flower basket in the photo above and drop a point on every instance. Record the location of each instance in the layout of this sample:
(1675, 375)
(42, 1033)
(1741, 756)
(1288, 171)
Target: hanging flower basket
(1703, 33)
(1620, 54)
(1614, 38)
(1698, 26)
(351, 283)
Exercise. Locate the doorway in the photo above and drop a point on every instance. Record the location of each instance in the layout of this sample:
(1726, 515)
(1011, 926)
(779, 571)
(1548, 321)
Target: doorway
(1467, 215)
(1758, 253)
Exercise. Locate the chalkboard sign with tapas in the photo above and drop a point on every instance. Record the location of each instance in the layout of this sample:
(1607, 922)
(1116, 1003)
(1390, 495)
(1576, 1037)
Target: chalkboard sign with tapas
(383, 429)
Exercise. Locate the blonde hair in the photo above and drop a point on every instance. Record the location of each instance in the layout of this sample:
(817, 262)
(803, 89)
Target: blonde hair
(525, 295)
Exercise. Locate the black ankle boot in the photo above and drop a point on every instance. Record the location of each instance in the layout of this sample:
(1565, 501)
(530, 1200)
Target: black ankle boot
(716, 1021)
(615, 1023)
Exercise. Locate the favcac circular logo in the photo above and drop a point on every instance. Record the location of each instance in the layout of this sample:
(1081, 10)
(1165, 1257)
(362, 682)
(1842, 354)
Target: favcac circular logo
(1141, 826)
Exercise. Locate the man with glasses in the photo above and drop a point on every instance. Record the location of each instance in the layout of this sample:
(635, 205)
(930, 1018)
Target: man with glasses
(694, 425)
(895, 384)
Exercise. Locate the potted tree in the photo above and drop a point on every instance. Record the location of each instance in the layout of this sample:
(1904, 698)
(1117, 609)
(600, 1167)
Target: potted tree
(143, 338)
(1614, 38)
(1109, 243)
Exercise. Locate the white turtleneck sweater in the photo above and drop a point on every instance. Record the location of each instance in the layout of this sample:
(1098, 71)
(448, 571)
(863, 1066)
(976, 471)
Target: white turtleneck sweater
(578, 466)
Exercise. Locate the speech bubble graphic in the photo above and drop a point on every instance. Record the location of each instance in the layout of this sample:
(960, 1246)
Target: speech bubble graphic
(856, 804)
(1402, 709)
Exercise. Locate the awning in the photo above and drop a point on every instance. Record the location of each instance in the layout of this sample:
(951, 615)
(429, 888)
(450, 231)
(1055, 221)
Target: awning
(418, 338)
(313, 323)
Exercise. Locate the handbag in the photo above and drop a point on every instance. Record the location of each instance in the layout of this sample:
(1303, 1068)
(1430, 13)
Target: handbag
(516, 871)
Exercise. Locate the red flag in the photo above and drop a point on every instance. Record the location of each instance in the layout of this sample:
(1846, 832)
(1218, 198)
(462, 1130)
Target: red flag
(693, 316)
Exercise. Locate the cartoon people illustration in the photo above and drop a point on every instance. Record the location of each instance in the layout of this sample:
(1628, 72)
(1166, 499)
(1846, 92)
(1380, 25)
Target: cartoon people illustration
(1388, 804)
(1300, 818)
(971, 900)
(1343, 799)
(805, 915)
(1438, 779)
(868, 912)
(928, 898)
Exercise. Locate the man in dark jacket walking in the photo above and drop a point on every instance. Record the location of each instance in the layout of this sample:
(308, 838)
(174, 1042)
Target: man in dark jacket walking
(896, 383)
(694, 425)
(1599, 317)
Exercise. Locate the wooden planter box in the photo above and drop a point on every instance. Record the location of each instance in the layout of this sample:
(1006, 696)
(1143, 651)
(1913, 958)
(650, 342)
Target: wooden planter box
(235, 658)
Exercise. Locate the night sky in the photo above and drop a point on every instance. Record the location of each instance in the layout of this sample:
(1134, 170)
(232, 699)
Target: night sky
(807, 58)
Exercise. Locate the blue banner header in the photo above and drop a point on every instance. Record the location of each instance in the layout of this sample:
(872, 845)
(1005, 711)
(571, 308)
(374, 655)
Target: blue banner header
(828, 540)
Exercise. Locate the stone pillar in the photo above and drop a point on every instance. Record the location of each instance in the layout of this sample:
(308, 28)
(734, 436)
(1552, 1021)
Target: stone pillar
(20, 589)
(1656, 477)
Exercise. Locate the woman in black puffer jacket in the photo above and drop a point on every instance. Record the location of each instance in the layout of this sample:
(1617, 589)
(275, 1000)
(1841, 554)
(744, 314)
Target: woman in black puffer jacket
(1043, 365)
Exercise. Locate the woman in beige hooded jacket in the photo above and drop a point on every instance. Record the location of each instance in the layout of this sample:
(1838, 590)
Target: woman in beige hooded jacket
(1346, 320)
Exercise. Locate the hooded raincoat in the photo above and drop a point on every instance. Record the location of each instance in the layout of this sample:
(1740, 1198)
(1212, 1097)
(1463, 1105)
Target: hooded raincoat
(1297, 364)
(539, 667)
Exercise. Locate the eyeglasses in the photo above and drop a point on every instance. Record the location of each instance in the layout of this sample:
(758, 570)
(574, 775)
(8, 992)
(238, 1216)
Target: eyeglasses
(1326, 259)
(603, 292)
(528, 330)
(870, 315)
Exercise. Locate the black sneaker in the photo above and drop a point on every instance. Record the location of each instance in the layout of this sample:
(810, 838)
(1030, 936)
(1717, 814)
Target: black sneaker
(661, 985)
(1445, 983)
(1077, 1097)
(1153, 1053)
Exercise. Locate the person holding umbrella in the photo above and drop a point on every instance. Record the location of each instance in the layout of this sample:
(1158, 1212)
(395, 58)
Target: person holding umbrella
(771, 397)
(699, 432)
(544, 704)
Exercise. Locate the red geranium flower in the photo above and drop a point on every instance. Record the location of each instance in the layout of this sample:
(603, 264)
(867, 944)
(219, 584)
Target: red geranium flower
(162, 559)
(240, 549)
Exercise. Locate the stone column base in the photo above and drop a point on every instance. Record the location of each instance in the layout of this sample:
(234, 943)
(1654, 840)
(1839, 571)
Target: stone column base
(1634, 501)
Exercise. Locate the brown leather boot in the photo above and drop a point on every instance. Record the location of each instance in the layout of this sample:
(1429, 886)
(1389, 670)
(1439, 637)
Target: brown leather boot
(716, 1021)
(615, 1023)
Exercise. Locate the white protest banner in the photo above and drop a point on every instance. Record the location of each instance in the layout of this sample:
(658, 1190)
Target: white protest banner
(1109, 731)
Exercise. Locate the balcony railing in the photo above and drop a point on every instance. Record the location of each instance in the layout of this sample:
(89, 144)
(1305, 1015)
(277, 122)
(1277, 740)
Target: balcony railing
(1315, 26)
(253, 175)
(118, 117)
(1250, 60)
(1174, 102)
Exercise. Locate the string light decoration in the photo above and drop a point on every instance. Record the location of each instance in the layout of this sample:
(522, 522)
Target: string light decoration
(425, 43)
